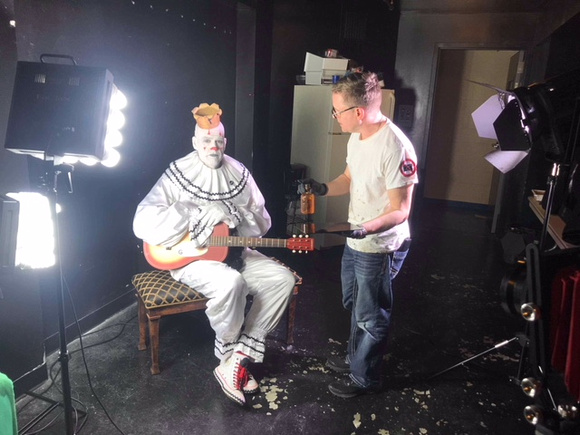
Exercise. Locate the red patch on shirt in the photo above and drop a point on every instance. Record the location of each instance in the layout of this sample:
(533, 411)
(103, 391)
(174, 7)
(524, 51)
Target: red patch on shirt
(408, 168)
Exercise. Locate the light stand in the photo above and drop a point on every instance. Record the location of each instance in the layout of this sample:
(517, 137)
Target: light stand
(69, 411)
(523, 342)
(551, 188)
(550, 421)
(542, 118)
(534, 328)
(64, 113)
(566, 162)
(551, 111)
(63, 353)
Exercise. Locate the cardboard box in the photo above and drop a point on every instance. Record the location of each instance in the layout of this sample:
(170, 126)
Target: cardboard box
(313, 77)
(320, 70)
(317, 63)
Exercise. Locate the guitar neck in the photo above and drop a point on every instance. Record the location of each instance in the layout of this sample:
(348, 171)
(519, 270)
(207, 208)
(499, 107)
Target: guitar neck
(248, 242)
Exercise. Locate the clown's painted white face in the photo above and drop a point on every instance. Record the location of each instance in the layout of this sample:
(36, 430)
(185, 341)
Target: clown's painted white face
(210, 149)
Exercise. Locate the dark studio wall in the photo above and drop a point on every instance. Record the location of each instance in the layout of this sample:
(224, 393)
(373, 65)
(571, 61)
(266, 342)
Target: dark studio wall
(562, 55)
(553, 51)
(167, 57)
(365, 32)
(423, 32)
(21, 344)
(14, 172)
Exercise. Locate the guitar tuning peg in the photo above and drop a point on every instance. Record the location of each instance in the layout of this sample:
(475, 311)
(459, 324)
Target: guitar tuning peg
(294, 235)
(294, 251)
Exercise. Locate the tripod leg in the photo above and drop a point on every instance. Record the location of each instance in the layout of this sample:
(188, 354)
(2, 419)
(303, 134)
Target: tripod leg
(497, 346)
(523, 356)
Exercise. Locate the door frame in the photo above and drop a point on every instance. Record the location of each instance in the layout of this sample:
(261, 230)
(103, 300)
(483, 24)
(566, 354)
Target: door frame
(439, 48)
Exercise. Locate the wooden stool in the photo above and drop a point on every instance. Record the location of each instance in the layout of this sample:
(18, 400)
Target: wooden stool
(158, 295)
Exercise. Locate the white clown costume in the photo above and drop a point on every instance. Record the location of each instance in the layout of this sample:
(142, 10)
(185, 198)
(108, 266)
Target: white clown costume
(187, 198)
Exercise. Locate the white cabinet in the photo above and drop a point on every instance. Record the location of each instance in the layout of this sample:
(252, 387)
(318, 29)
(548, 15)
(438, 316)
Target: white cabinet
(319, 144)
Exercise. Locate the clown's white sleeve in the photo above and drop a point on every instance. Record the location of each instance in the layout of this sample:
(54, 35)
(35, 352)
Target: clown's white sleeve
(256, 220)
(161, 217)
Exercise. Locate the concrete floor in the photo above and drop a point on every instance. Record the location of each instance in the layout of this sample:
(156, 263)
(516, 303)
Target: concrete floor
(447, 309)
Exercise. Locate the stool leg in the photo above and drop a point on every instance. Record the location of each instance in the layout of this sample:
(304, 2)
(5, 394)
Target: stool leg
(154, 341)
(290, 319)
(142, 316)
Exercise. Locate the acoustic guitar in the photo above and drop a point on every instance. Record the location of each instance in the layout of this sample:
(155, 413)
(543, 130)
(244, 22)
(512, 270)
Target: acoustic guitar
(216, 248)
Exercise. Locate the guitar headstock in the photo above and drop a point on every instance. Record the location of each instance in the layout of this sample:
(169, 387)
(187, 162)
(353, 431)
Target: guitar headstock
(300, 244)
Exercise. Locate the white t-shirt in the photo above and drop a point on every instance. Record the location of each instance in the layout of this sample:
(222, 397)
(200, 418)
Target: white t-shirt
(386, 160)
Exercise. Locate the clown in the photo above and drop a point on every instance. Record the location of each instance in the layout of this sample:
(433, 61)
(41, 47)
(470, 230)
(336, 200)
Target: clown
(194, 194)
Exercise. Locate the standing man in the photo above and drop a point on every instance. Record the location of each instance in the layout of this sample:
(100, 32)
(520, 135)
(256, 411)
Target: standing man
(197, 192)
(381, 171)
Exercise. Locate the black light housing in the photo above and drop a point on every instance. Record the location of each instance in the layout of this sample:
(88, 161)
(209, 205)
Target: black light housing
(541, 115)
(59, 110)
(509, 129)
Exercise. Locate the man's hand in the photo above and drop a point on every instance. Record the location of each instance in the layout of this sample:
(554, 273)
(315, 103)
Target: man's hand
(319, 189)
(358, 234)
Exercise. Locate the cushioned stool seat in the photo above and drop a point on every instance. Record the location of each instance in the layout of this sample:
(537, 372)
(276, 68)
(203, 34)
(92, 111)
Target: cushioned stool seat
(158, 295)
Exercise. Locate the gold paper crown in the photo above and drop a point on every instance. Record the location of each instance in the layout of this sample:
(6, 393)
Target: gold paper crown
(206, 116)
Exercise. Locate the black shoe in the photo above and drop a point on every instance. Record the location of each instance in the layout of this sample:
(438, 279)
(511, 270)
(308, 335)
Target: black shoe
(347, 388)
(338, 364)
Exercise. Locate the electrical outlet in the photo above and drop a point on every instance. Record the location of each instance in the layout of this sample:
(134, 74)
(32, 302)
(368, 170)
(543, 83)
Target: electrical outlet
(405, 118)
(405, 112)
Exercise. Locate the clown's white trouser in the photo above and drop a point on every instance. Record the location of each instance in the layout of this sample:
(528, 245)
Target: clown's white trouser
(269, 283)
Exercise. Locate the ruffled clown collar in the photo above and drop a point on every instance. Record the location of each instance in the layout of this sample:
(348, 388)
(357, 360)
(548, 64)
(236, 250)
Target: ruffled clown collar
(199, 181)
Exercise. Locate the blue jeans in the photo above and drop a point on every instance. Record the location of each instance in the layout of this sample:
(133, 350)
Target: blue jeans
(367, 293)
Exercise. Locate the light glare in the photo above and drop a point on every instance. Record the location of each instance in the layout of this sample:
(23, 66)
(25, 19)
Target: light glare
(113, 139)
(116, 120)
(71, 160)
(89, 161)
(118, 99)
(112, 158)
(35, 246)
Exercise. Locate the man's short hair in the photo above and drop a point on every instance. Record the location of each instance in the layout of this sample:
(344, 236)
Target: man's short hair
(359, 89)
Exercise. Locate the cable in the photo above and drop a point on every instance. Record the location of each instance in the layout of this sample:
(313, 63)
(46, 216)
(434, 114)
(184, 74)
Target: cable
(46, 426)
(102, 329)
(87, 371)
(54, 375)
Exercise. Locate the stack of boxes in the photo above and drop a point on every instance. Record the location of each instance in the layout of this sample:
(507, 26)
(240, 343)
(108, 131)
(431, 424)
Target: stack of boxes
(320, 70)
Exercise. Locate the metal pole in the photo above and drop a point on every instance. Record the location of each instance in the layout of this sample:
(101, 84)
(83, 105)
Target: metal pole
(497, 346)
(63, 353)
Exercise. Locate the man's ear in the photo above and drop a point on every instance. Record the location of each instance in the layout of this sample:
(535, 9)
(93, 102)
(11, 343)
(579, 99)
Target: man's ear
(194, 142)
(225, 143)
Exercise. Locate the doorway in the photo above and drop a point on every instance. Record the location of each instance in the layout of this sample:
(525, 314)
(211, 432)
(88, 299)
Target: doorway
(456, 169)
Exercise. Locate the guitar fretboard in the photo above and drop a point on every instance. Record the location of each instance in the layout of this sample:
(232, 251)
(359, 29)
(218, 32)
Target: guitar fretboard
(248, 242)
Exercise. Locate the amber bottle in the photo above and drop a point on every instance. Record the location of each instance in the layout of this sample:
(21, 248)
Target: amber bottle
(307, 201)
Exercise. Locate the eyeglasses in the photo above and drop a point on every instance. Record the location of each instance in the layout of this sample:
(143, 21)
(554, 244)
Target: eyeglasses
(336, 114)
